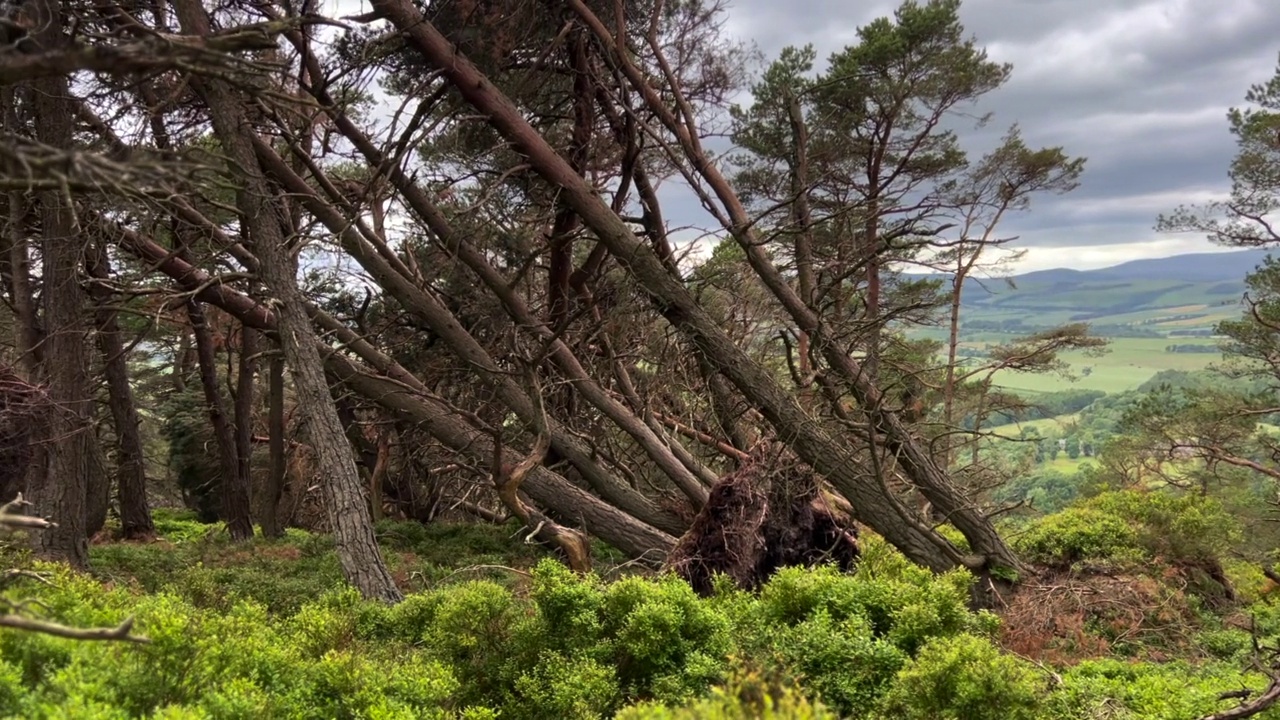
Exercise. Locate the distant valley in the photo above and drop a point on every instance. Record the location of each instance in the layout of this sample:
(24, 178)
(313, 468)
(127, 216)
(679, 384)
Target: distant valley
(1159, 313)
(1174, 296)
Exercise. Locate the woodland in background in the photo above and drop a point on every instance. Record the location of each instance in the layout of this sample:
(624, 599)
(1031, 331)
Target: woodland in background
(296, 270)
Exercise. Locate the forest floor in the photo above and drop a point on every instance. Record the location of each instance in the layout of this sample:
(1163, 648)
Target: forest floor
(492, 626)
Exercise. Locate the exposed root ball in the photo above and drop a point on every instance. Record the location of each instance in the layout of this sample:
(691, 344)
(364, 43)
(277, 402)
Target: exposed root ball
(766, 515)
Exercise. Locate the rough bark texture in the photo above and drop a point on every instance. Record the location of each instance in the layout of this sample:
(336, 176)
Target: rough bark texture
(60, 494)
(237, 489)
(18, 253)
(22, 409)
(239, 527)
(356, 545)
(28, 333)
(131, 471)
(97, 496)
(273, 490)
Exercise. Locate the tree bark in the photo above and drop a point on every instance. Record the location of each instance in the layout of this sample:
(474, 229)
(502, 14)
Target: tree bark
(802, 216)
(357, 547)
(131, 470)
(17, 252)
(61, 493)
(27, 334)
(366, 452)
(269, 513)
(237, 491)
(239, 526)
(97, 495)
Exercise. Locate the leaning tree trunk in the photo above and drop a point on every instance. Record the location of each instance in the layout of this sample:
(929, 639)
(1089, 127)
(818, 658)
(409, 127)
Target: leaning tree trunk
(60, 493)
(356, 545)
(818, 445)
(400, 393)
(131, 471)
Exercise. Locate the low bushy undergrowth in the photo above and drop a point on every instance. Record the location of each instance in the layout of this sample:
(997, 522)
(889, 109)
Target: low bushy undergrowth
(1131, 526)
(889, 640)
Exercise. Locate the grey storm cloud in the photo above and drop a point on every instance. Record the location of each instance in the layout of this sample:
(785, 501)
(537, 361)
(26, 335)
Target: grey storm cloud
(1139, 88)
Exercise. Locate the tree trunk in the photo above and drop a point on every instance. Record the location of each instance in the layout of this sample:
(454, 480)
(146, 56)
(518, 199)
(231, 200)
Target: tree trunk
(181, 362)
(61, 493)
(26, 342)
(97, 486)
(269, 513)
(356, 545)
(366, 451)
(238, 525)
(131, 470)
(237, 491)
(802, 216)
(17, 253)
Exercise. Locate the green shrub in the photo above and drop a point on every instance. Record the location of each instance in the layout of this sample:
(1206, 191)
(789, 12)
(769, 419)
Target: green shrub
(963, 678)
(573, 688)
(1175, 526)
(1129, 526)
(471, 630)
(1150, 691)
(743, 699)
(1079, 533)
(842, 662)
(202, 662)
(845, 637)
(231, 638)
(667, 643)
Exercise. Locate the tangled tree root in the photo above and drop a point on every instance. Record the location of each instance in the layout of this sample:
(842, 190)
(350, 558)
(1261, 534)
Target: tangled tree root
(766, 515)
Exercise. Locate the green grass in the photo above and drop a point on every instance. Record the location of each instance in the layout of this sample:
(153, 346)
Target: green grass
(201, 563)
(1066, 465)
(1040, 425)
(1128, 363)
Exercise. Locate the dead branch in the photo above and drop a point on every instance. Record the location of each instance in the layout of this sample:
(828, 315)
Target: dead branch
(11, 518)
(120, 632)
(1264, 701)
(161, 51)
(507, 481)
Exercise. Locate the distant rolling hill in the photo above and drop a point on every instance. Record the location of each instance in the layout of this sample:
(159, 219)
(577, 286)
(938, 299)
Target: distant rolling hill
(1173, 295)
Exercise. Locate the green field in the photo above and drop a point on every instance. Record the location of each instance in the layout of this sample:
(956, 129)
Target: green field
(1066, 465)
(1040, 425)
(1128, 363)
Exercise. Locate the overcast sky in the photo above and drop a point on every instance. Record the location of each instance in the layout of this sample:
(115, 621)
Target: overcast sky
(1139, 88)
